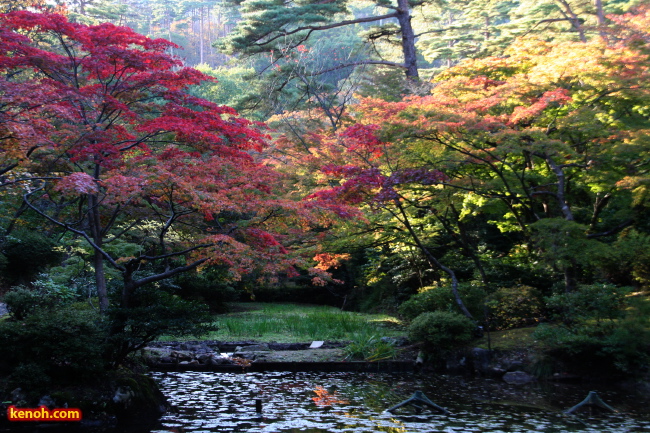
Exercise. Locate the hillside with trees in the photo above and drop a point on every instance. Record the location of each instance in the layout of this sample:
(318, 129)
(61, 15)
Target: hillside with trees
(485, 159)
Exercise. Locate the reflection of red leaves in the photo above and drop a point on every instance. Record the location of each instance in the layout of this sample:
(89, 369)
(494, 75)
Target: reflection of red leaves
(325, 398)
(242, 362)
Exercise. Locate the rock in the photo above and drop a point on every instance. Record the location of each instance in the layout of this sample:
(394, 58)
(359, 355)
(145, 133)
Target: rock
(481, 360)
(48, 401)
(219, 360)
(514, 366)
(167, 360)
(517, 378)
(395, 341)
(155, 354)
(204, 358)
(18, 397)
(495, 372)
(123, 396)
(181, 356)
(254, 348)
(137, 397)
(195, 347)
(245, 355)
(456, 364)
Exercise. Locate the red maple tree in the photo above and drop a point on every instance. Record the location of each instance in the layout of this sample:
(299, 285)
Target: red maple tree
(99, 134)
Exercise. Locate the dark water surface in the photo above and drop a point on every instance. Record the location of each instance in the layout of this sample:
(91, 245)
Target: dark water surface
(356, 402)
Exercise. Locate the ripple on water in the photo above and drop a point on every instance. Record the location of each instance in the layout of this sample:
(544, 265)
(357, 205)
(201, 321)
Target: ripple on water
(355, 402)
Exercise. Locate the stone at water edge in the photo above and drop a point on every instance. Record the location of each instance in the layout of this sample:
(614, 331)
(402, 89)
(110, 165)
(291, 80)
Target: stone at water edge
(518, 378)
(316, 344)
(264, 347)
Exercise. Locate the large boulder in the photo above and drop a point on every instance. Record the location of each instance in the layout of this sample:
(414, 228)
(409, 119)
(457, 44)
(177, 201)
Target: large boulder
(518, 378)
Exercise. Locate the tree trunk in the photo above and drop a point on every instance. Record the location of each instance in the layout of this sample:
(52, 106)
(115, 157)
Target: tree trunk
(570, 280)
(128, 288)
(98, 258)
(600, 14)
(201, 34)
(100, 281)
(408, 39)
(574, 20)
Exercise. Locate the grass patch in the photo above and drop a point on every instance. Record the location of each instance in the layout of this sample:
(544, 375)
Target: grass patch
(289, 323)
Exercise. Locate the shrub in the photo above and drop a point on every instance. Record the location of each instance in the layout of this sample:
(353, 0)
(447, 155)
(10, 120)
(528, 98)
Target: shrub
(599, 329)
(370, 347)
(624, 349)
(599, 303)
(512, 307)
(22, 301)
(27, 252)
(442, 299)
(154, 313)
(62, 345)
(441, 331)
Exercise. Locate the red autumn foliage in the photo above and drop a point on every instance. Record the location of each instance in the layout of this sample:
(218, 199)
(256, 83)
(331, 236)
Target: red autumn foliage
(96, 122)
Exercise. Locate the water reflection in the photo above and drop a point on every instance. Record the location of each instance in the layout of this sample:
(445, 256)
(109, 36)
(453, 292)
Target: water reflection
(355, 402)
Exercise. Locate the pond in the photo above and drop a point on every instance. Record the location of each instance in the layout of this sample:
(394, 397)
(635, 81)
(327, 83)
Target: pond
(356, 402)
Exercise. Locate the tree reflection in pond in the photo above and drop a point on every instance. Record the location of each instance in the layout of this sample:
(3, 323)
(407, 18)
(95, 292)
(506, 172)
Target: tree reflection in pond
(356, 403)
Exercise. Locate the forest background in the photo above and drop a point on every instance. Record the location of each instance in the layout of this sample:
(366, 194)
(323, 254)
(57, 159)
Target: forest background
(478, 159)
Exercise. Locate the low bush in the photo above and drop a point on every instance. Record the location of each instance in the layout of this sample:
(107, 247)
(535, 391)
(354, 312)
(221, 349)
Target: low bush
(27, 252)
(22, 301)
(599, 329)
(442, 331)
(599, 303)
(442, 299)
(63, 345)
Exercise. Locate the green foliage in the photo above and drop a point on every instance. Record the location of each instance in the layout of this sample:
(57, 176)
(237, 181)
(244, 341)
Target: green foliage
(63, 345)
(599, 328)
(594, 306)
(441, 331)
(230, 88)
(154, 313)
(211, 287)
(512, 307)
(629, 258)
(386, 277)
(563, 242)
(50, 340)
(442, 299)
(28, 252)
(623, 349)
(22, 301)
(369, 347)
